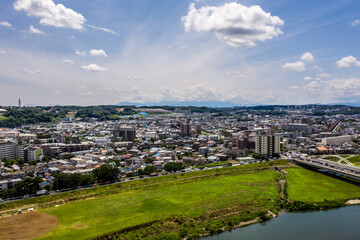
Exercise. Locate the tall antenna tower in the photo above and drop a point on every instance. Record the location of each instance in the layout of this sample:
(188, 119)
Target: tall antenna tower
(19, 103)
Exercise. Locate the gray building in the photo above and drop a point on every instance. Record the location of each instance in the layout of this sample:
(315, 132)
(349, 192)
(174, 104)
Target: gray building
(125, 132)
(267, 145)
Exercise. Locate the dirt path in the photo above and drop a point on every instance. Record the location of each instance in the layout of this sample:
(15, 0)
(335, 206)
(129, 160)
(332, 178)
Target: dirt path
(29, 225)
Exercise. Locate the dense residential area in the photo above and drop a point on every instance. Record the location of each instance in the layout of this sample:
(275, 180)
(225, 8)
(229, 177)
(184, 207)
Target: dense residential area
(79, 150)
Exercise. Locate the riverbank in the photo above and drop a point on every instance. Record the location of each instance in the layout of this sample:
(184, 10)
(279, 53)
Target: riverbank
(195, 205)
(334, 224)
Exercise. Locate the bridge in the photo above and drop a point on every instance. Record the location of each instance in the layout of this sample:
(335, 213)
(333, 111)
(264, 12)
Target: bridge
(345, 170)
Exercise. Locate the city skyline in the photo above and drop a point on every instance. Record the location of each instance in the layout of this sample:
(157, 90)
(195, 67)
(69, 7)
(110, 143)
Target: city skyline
(236, 52)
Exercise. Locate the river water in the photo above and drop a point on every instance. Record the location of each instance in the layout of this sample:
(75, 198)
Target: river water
(336, 224)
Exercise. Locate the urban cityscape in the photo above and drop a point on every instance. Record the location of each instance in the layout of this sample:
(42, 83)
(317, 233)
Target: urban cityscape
(169, 120)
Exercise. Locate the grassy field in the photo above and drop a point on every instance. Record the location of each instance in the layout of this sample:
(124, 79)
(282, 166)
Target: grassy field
(309, 186)
(332, 158)
(2, 117)
(246, 193)
(355, 160)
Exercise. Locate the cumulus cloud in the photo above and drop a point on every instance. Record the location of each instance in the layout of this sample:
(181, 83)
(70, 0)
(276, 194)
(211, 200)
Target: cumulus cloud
(77, 52)
(51, 14)
(5, 24)
(103, 29)
(344, 87)
(68, 61)
(347, 62)
(97, 53)
(34, 30)
(293, 87)
(93, 68)
(296, 66)
(355, 23)
(2, 52)
(234, 23)
(307, 78)
(312, 88)
(307, 57)
(37, 71)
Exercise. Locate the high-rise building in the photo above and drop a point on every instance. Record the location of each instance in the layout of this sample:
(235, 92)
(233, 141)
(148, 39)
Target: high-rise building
(267, 145)
(125, 132)
(185, 128)
(7, 150)
(19, 103)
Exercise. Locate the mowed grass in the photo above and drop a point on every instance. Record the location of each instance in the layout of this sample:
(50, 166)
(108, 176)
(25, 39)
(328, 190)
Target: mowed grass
(89, 218)
(355, 160)
(310, 186)
(332, 158)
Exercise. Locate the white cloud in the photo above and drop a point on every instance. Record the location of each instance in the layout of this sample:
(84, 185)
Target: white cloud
(235, 74)
(97, 53)
(103, 29)
(323, 75)
(347, 62)
(93, 68)
(296, 66)
(234, 23)
(33, 30)
(68, 61)
(80, 53)
(355, 23)
(51, 14)
(316, 67)
(293, 87)
(344, 87)
(37, 71)
(5, 24)
(307, 57)
(2, 52)
(307, 78)
(312, 88)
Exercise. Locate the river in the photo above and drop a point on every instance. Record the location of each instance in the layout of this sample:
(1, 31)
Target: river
(340, 224)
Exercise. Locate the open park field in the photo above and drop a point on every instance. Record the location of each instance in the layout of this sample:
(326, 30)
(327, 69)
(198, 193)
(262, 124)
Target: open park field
(253, 192)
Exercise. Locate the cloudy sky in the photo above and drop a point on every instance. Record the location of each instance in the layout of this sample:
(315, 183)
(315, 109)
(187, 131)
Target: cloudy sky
(91, 52)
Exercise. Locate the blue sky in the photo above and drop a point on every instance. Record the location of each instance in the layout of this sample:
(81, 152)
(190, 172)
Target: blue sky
(242, 52)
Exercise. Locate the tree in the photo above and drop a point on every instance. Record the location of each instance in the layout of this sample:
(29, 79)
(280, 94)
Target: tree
(173, 166)
(147, 170)
(28, 186)
(106, 173)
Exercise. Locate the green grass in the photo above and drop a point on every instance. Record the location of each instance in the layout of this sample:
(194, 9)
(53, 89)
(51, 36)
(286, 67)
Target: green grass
(309, 186)
(344, 156)
(332, 158)
(251, 192)
(2, 117)
(355, 160)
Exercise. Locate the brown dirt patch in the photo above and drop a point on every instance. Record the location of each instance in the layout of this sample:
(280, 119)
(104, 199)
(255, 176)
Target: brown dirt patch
(28, 225)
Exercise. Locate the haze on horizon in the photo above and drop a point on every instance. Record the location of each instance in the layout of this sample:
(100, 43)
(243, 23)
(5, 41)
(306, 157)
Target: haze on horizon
(108, 51)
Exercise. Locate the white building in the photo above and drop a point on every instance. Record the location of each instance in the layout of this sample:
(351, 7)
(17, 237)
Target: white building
(336, 140)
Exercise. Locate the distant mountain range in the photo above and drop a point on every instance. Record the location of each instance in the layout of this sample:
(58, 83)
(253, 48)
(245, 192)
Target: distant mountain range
(215, 104)
(218, 104)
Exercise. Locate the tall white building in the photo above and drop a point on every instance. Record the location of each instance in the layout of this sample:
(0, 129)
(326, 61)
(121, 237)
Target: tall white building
(267, 145)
